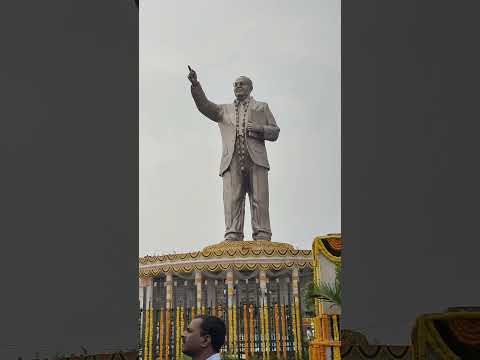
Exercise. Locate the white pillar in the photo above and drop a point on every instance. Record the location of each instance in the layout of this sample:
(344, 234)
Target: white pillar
(198, 283)
(229, 282)
(295, 283)
(169, 290)
(263, 287)
(147, 284)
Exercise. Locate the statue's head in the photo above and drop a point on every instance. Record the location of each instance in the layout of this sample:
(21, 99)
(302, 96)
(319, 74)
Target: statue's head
(242, 87)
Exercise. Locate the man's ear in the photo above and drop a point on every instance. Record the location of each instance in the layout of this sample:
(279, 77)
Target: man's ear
(207, 340)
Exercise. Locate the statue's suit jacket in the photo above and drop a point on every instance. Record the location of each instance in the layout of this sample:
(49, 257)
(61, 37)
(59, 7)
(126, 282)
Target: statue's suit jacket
(224, 115)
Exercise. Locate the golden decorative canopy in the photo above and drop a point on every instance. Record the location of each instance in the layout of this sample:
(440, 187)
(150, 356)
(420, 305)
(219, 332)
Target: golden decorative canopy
(238, 255)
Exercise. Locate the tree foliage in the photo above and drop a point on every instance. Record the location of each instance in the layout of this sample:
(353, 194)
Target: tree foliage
(326, 291)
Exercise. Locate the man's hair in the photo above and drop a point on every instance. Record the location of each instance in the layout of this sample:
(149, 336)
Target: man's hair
(215, 327)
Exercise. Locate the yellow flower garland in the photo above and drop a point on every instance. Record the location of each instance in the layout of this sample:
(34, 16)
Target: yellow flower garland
(177, 331)
(230, 328)
(160, 335)
(226, 253)
(167, 333)
(150, 331)
(234, 328)
(262, 332)
(146, 327)
(294, 327)
(245, 332)
(252, 331)
(166, 268)
(267, 332)
(427, 335)
(297, 326)
(277, 332)
(336, 337)
(319, 247)
(284, 335)
(229, 249)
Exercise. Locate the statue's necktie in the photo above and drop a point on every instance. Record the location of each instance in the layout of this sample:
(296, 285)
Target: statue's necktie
(241, 128)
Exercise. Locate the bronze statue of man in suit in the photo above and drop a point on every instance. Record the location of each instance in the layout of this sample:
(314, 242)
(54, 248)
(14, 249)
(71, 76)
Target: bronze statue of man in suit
(244, 127)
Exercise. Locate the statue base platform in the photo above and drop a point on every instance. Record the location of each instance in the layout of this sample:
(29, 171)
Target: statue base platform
(253, 285)
(235, 255)
(246, 245)
(257, 287)
(246, 264)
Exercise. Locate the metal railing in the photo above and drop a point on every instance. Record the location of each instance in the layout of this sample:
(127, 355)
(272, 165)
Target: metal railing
(268, 332)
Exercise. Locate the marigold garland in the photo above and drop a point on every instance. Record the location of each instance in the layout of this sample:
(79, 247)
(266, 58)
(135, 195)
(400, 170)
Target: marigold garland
(182, 328)
(160, 334)
(262, 332)
(427, 335)
(150, 337)
(167, 333)
(177, 331)
(230, 329)
(229, 253)
(267, 331)
(466, 331)
(252, 331)
(245, 332)
(319, 247)
(277, 331)
(234, 330)
(284, 333)
(325, 326)
(146, 334)
(166, 268)
(336, 349)
(298, 318)
(294, 326)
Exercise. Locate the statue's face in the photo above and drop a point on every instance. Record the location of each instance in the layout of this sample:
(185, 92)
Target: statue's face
(242, 88)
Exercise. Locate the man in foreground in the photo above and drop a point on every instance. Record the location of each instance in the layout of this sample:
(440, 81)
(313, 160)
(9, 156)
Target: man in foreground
(204, 338)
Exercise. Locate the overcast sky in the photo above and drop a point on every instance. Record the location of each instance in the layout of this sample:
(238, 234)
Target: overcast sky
(291, 51)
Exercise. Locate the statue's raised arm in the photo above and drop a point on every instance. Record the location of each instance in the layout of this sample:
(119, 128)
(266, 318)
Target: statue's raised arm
(205, 106)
